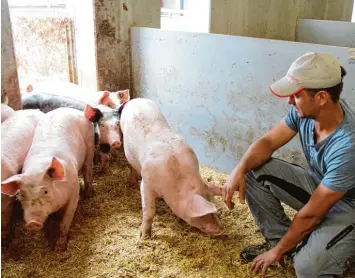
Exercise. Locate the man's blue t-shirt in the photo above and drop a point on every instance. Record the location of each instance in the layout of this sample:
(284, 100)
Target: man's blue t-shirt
(332, 161)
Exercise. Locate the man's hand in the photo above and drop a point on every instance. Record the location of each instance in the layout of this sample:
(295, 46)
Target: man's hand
(235, 182)
(263, 261)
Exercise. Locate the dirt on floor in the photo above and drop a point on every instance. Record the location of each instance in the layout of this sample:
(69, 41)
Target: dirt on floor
(104, 239)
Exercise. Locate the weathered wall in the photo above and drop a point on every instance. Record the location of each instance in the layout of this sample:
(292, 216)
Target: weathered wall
(213, 89)
(113, 18)
(9, 78)
(326, 32)
(274, 19)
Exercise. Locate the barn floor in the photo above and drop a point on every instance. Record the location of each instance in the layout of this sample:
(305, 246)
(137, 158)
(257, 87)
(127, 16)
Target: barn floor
(104, 239)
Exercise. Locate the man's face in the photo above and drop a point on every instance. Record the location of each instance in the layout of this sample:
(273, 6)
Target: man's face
(305, 104)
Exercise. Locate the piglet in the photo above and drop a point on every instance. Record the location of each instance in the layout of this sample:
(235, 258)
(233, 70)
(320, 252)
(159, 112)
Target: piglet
(6, 112)
(16, 139)
(62, 145)
(169, 169)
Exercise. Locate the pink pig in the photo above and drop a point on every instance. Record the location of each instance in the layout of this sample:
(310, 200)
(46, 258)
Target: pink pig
(169, 169)
(109, 128)
(110, 99)
(62, 145)
(16, 139)
(6, 112)
(113, 99)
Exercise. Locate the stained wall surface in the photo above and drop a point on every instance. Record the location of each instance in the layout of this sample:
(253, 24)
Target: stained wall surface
(213, 89)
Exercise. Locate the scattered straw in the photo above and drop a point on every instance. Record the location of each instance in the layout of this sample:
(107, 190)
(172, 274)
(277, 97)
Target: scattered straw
(104, 239)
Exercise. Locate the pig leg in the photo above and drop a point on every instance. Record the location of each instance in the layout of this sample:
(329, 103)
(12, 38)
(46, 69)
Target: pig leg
(68, 214)
(87, 170)
(104, 161)
(7, 204)
(134, 177)
(148, 207)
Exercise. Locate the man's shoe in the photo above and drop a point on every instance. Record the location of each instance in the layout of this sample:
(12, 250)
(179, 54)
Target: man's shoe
(249, 253)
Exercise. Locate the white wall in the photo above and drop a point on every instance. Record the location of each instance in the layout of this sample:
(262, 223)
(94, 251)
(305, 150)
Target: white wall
(214, 89)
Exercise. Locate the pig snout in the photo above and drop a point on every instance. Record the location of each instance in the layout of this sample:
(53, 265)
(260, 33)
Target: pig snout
(34, 225)
(209, 224)
(116, 144)
(214, 229)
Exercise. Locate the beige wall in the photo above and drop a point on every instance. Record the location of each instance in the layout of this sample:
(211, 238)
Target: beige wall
(113, 18)
(273, 19)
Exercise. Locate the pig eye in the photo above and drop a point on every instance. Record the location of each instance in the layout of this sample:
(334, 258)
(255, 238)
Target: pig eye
(45, 192)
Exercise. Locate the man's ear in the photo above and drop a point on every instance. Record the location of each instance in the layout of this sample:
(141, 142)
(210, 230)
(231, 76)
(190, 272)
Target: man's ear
(323, 97)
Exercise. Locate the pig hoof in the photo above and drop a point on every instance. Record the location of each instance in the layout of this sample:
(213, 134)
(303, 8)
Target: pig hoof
(145, 235)
(88, 192)
(61, 244)
(133, 183)
(5, 243)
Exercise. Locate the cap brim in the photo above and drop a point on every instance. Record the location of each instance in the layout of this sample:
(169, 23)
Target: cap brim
(285, 88)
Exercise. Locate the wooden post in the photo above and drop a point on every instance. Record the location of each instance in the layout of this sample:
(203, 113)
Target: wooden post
(113, 18)
(10, 89)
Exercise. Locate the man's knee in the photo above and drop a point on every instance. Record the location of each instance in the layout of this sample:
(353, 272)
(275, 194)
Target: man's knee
(308, 264)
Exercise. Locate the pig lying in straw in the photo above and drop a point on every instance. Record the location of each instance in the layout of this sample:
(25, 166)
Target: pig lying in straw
(169, 169)
(16, 139)
(110, 99)
(62, 145)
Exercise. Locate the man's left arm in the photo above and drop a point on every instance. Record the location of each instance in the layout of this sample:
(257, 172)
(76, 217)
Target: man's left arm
(309, 217)
(304, 222)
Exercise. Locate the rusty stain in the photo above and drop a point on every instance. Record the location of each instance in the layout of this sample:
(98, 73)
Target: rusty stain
(106, 29)
(10, 88)
(124, 7)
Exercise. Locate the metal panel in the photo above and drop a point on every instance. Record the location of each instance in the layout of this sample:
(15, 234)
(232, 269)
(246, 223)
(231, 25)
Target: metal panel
(213, 89)
(326, 32)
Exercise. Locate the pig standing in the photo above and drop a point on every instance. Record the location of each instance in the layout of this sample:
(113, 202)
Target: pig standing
(107, 129)
(16, 139)
(110, 99)
(6, 112)
(62, 145)
(169, 169)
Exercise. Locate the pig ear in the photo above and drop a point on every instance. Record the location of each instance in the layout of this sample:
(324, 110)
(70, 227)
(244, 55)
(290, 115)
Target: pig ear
(123, 96)
(199, 206)
(214, 189)
(56, 170)
(105, 94)
(92, 114)
(11, 185)
(29, 88)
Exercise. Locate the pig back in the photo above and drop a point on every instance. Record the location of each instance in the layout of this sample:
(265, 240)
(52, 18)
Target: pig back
(142, 124)
(16, 138)
(64, 133)
(142, 117)
(48, 102)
